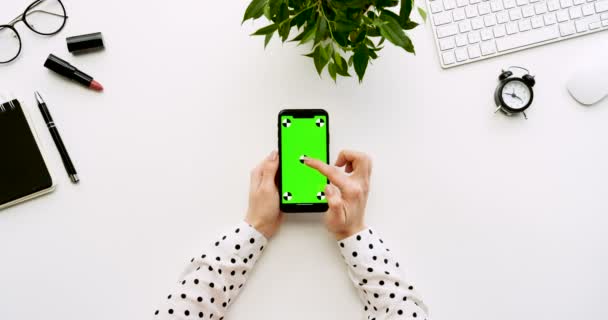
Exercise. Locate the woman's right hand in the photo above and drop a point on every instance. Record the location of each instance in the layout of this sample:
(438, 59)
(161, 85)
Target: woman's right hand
(347, 194)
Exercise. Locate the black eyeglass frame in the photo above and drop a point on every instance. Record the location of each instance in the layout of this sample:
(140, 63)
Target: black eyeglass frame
(23, 17)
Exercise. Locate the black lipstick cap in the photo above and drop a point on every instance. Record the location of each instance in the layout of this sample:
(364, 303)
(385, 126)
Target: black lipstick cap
(85, 43)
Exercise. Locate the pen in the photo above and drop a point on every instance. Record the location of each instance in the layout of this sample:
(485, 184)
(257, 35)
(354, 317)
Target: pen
(67, 70)
(65, 157)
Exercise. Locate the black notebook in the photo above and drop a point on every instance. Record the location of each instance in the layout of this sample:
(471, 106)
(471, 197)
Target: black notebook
(23, 172)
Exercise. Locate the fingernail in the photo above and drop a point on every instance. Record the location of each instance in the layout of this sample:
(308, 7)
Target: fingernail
(328, 190)
(273, 155)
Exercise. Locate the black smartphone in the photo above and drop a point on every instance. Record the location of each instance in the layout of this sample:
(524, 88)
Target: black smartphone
(302, 133)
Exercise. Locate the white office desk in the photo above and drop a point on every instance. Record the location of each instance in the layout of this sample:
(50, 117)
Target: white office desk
(494, 217)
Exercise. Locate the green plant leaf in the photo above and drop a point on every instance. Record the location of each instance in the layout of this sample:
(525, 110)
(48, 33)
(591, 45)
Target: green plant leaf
(341, 65)
(254, 10)
(386, 3)
(307, 34)
(360, 60)
(320, 58)
(392, 32)
(422, 13)
(409, 25)
(392, 14)
(283, 20)
(310, 36)
(273, 7)
(373, 32)
(321, 30)
(301, 17)
(266, 30)
(267, 39)
(341, 38)
(406, 10)
(331, 68)
(345, 4)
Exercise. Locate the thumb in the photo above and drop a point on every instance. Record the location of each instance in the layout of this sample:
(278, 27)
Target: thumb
(269, 169)
(336, 215)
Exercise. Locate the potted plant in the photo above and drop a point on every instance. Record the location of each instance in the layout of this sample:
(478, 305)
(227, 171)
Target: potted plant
(338, 29)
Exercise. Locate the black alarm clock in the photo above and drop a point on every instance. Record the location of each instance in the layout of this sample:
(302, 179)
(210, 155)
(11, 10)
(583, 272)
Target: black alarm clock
(514, 95)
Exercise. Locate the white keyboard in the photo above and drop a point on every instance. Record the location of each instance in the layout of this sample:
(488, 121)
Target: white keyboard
(472, 30)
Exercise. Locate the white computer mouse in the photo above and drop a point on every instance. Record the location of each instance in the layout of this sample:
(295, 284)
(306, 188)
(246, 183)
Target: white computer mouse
(589, 86)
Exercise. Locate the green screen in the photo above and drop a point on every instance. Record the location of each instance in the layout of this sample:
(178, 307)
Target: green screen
(302, 137)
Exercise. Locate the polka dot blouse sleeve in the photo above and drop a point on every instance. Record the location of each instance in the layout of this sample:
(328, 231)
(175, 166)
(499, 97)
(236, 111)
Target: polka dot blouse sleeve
(212, 280)
(380, 280)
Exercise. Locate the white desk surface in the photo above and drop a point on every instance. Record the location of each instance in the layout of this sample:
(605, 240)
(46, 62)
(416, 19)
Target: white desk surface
(494, 217)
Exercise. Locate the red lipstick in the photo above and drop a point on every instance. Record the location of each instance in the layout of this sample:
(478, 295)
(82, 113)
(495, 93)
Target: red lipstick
(65, 69)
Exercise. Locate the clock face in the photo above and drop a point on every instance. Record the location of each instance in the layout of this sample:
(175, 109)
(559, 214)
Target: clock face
(516, 94)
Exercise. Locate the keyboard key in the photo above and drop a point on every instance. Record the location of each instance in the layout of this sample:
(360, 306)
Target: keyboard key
(537, 22)
(512, 28)
(461, 3)
(464, 26)
(488, 47)
(567, 28)
(461, 54)
(595, 25)
(604, 16)
(509, 4)
(588, 9)
(563, 16)
(578, 2)
(483, 8)
(601, 6)
(436, 6)
(550, 19)
(565, 3)
(459, 14)
(521, 3)
(527, 11)
(474, 37)
(461, 40)
(575, 13)
(474, 51)
(474, 1)
(605, 23)
(515, 14)
(446, 31)
(540, 8)
(553, 5)
(527, 38)
(447, 43)
(525, 25)
(442, 18)
(477, 23)
(502, 17)
(496, 5)
(448, 58)
(471, 11)
(449, 4)
(489, 20)
(486, 34)
(499, 31)
(581, 25)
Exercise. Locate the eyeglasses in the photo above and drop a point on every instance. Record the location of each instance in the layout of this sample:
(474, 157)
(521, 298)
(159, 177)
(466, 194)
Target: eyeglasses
(44, 17)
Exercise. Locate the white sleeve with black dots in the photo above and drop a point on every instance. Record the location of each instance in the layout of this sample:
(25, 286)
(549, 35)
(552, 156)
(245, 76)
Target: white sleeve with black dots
(382, 285)
(213, 279)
